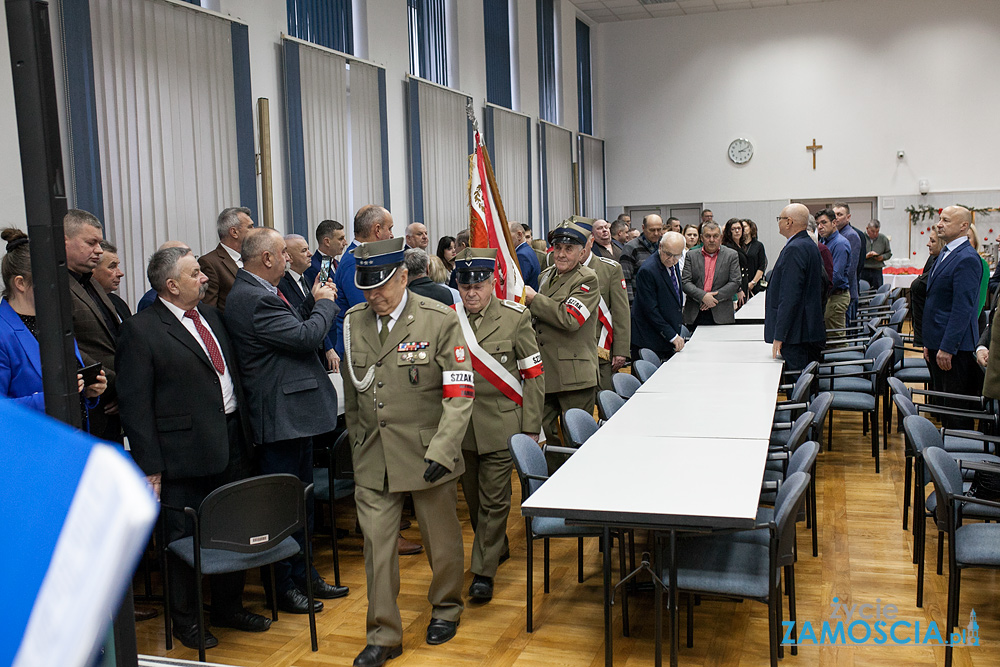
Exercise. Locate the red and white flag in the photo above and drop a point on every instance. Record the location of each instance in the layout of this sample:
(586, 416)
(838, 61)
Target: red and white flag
(488, 226)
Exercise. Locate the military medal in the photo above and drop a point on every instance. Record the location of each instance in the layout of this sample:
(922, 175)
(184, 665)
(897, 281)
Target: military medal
(414, 375)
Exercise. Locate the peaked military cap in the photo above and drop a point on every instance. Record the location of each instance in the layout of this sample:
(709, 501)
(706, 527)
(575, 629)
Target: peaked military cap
(377, 262)
(474, 265)
(570, 231)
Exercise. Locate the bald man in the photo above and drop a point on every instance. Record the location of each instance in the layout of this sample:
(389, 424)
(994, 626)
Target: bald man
(416, 236)
(793, 310)
(951, 312)
(657, 316)
(149, 297)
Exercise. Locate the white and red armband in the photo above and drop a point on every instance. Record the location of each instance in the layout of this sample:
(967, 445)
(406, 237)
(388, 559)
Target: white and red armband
(576, 308)
(458, 384)
(530, 367)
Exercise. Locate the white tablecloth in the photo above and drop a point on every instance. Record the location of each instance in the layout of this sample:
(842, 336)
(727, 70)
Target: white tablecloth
(900, 279)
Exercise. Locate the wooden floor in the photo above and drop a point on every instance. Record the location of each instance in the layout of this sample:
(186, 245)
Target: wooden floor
(864, 556)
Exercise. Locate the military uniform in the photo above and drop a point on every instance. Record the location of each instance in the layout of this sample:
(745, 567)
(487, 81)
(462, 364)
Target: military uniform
(564, 313)
(408, 402)
(615, 297)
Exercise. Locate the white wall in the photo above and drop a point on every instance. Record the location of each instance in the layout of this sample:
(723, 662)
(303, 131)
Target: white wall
(864, 77)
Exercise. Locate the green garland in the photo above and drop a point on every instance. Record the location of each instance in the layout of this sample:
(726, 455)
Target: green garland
(918, 213)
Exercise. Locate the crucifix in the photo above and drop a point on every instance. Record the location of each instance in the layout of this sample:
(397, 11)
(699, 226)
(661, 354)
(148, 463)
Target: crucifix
(814, 148)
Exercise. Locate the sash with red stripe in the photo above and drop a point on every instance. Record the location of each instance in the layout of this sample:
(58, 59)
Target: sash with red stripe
(607, 328)
(488, 367)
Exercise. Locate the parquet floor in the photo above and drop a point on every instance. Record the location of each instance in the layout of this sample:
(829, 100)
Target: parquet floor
(865, 556)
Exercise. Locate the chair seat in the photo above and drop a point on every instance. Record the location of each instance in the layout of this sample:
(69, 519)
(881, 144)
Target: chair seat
(342, 488)
(220, 561)
(850, 355)
(913, 375)
(911, 362)
(547, 526)
(779, 438)
(964, 445)
(723, 566)
(852, 400)
(846, 384)
(978, 544)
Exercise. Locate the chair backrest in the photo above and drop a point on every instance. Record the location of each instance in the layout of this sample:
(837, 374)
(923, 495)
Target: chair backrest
(883, 288)
(864, 286)
(343, 462)
(643, 369)
(650, 356)
(799, 431)
(904, 404)
(896, 321)
(578, 426)
(899, 387)
(897, 303)
(529, 461)
(947, 477)
(812, 368)
(625, 385)
(879, 300)
(896, 292)
(877, 347)
(685, 332)
(803, 458)
(801, 388)
(608, 403)
(890, 333)
(922, 432)
(883, 364)
(820, 407)
(253, 514)
(786, 509)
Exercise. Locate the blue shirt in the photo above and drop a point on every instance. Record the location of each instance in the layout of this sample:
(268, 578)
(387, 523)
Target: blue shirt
(856, 244)
(840, 250)
(527, 260)
(348, 294)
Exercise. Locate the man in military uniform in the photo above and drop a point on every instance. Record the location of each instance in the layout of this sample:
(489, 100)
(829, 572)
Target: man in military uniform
(409, 392)
(510, 391)
(614, 319)
(564, 312)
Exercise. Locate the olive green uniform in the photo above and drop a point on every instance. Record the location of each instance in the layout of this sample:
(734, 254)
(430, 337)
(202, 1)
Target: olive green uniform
(415, 408)
(505, 333)
(564, 312)
(615, 296)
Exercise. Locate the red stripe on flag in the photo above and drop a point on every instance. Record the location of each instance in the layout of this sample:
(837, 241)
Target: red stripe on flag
(607, 327)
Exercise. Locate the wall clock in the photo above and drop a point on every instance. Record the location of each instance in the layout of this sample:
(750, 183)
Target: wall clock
(740, 151)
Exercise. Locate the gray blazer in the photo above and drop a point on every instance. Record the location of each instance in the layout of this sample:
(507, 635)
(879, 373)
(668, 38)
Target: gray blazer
(288, 394)
(726, 282)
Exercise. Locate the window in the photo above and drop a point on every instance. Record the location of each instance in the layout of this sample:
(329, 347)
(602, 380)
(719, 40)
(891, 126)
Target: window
(556, 153)
(508, 138)
(583, 92)
(548, 108)
(496, 19)
(328, 23)
(590, 160)
(428, 40)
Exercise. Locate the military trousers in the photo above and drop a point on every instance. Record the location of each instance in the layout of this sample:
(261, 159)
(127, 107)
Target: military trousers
(604, 375)
(486, 486)
(557, 403)
(379, 513)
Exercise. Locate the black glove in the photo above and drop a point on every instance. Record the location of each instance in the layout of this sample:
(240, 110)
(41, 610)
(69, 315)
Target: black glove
(434, 472)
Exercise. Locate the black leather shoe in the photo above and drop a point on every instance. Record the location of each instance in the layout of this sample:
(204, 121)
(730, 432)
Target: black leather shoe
(188, 634)
(504, 556)
(439, 631)
(323, 590)
(481, 589)
(294, 601)
(375, 656)
(244, 620)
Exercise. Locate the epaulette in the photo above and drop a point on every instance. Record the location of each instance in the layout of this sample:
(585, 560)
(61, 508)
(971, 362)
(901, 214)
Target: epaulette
(513, 305)
(428, 303)
(608, 261)
(357, 307)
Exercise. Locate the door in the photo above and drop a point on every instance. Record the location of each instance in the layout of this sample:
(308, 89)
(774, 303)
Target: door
(862, 208)
(687, 214)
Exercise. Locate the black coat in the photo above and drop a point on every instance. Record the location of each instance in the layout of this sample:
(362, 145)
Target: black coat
(656, 313)
(793, 311)
(170, 399)
(424, 286)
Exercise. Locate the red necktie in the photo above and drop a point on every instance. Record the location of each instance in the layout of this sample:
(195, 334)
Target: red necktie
(284, 299)
(206, 337)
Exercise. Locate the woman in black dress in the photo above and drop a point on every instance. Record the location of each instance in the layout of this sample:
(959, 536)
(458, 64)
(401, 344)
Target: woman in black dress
(756, 257)
(732, 234)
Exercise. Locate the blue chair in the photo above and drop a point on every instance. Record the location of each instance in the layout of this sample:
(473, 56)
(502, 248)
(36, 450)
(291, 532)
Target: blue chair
(971, 545)
(652, 357)
(865, 397)
(625, 385)
(608, 403)
(578, 426)
(643, 369)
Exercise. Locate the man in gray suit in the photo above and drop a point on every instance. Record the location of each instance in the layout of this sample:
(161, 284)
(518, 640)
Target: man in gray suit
(288, 395)
(711, 277)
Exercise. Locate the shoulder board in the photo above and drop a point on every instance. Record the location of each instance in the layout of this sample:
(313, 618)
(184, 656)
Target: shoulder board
(586, 272)
(513, 305)
(428, 303)
(358, 307)
(608, 261)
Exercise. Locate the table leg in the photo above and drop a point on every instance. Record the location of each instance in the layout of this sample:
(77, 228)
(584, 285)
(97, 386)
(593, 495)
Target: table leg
(658, 592)
(608, 653)
(674, 629)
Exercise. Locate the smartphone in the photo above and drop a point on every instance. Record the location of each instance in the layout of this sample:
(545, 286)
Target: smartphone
(324, 269)
(90, 373)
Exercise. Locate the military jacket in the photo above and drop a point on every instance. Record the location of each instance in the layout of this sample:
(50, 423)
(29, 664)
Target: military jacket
(505, 333)
(416, 403)
(615, 295)
(564, 312)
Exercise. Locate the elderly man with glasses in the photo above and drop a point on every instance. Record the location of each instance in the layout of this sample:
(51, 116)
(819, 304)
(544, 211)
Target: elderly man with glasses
(657, 315)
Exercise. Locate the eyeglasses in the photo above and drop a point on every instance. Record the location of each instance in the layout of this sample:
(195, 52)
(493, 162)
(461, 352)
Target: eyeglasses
(783, 217)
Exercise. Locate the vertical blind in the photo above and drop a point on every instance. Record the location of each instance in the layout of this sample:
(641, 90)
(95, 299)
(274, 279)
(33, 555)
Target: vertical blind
(166, 95)
(336, 129)
(557, 174)
(496, 33)
(508, 138)
(328, 23)
(548, 108)
(590, 160)
(428, 40)
(440, 144)
(583, 92)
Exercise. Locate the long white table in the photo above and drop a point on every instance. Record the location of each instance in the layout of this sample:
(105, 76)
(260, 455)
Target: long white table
(686, 452)
(752, 310)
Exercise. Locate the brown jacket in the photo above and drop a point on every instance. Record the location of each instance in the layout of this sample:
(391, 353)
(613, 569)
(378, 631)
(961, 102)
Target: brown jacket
(97, 343)
(221, 271)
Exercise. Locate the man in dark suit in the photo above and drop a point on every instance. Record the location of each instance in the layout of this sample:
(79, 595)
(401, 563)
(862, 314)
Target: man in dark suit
(416, 261)
(331, 243)
(656, 315)
(951, 312)
(181, 406)
(221, 264)
(289, 398)
(793, 310)
(710, 278)
(150, 296)
(95, 321)
(527, 258)
(108, 275)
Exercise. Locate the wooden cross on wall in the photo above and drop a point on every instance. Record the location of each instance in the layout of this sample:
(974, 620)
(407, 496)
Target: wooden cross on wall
(814, 148)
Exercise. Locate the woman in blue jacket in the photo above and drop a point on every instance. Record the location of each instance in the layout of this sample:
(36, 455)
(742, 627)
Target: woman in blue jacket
(20, 359)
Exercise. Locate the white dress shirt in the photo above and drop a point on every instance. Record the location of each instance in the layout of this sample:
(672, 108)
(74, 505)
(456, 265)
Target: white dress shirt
(393, 316)
(235, 255)
(225, 380)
